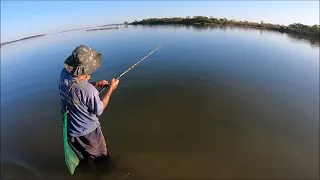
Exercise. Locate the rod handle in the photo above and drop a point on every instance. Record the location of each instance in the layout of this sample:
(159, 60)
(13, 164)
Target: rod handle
(105, 87)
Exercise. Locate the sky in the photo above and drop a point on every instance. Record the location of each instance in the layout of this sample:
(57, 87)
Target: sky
(20, 19)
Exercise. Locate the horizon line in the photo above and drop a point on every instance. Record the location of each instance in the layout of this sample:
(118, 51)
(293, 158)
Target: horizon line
(131, 22)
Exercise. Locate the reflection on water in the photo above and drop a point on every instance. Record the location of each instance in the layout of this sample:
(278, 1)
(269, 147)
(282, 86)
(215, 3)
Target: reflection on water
(313, 40)
(212, 103)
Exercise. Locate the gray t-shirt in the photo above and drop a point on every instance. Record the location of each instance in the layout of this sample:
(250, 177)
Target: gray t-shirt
(83, 103)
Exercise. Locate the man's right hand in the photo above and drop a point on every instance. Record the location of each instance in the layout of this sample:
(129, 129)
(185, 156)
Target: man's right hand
(114, 83)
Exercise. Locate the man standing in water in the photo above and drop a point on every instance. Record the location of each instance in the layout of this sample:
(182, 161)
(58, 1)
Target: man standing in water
(83, 105)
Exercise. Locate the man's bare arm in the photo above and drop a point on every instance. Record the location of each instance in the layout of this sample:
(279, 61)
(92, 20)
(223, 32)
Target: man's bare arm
(105, 100)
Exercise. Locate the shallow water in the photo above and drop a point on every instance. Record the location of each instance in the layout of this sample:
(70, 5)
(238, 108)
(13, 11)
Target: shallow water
(210, 103)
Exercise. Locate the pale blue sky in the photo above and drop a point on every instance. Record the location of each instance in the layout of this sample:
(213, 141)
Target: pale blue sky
(25, 18)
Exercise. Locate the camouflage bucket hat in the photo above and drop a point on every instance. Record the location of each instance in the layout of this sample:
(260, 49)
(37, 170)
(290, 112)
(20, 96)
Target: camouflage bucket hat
(82, 61)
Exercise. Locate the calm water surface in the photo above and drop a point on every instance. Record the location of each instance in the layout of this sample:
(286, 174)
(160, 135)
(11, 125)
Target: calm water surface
(211, 103)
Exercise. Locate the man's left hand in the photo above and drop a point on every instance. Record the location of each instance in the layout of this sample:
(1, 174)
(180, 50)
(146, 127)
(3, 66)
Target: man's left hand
(100, 84)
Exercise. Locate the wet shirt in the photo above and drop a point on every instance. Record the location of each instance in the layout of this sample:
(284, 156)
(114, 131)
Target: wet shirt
(83, 104)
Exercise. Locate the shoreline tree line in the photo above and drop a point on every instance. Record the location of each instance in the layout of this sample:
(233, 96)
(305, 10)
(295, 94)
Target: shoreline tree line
(211, 21)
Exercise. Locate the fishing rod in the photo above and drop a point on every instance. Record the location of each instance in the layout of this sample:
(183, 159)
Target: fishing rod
(105, 87)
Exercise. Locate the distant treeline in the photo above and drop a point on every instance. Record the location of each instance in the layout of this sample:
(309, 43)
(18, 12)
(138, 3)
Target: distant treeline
(30, 37)
(203, 20)
(99, 29)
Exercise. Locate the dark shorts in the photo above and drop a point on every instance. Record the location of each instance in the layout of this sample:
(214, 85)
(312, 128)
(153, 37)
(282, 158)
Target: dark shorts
(91, 145)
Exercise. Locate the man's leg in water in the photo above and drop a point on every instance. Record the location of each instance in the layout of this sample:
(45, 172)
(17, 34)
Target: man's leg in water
(81, 153)
(94, 145)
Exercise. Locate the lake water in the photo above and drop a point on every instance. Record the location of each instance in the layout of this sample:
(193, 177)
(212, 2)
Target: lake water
(211, 103)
